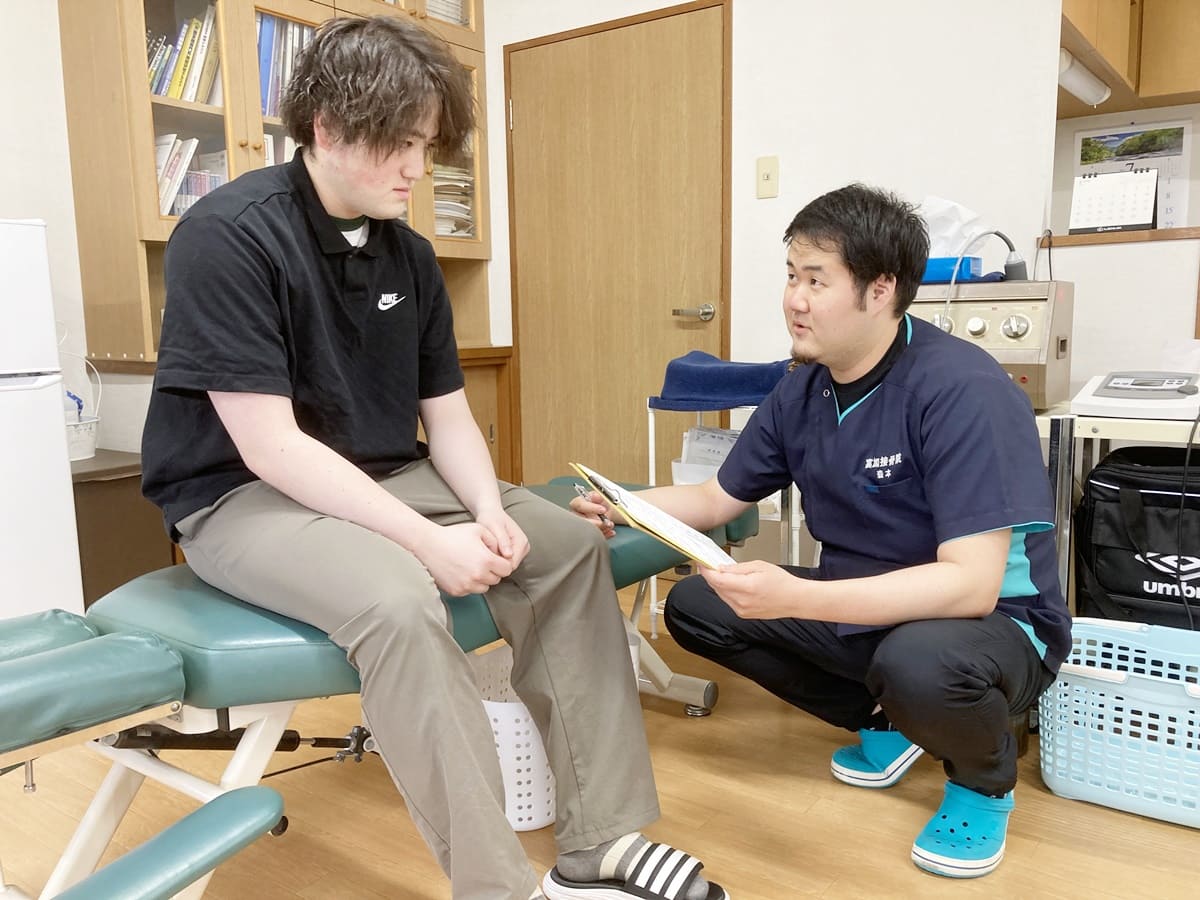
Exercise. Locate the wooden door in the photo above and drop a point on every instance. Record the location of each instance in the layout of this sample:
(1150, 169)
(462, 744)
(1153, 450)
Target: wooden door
(619, 214)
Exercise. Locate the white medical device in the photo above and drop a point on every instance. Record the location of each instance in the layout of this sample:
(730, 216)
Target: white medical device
(1140, 395)
(1024, 325)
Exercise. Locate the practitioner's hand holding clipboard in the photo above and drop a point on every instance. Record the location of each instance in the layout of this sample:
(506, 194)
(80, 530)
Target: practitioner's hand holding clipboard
(649, 518)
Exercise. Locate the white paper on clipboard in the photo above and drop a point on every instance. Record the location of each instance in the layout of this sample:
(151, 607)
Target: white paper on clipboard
(652, 520)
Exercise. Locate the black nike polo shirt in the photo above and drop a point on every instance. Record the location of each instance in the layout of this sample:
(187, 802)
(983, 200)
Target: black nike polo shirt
(265, 295)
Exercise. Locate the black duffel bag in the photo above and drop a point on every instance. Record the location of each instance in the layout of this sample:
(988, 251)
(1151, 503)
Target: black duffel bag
(1132, 562)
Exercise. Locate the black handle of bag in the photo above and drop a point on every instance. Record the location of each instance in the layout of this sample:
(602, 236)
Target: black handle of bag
(1133, 515)
(1107, 605)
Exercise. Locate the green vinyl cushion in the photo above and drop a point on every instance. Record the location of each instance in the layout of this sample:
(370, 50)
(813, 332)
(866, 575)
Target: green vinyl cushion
(33, 633)
(237, 654)
(234, 654)
(743, 527)
(192, 847)
(64, 689)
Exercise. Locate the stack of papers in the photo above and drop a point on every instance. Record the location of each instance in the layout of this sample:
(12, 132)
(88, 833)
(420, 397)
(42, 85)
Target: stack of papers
(704, 446)
(448, 11)
(453, 201)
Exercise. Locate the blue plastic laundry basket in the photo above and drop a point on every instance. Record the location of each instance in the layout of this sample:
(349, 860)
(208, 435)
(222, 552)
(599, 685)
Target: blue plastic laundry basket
(1121, 724)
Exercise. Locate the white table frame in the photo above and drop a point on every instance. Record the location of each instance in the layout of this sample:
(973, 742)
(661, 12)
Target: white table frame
(1079, 443)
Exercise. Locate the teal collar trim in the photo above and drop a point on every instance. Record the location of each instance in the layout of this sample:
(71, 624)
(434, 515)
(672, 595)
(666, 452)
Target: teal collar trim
(853, 406)
(888, 360)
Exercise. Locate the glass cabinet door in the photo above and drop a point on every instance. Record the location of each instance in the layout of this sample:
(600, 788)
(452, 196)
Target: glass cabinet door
(280, 30)
(458, 185)
(185, 77)
(457, 21)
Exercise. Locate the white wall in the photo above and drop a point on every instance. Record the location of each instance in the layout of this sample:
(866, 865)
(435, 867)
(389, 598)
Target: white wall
(956, 101)
(1132, 301)
(35, 166)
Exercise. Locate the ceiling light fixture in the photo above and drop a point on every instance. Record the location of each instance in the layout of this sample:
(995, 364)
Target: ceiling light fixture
(1079, 81)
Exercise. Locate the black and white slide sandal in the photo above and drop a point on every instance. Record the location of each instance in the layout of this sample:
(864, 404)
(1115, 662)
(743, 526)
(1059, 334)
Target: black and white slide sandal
(660, 873)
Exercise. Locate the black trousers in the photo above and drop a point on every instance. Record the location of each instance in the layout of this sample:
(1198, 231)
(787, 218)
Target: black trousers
(949, 685)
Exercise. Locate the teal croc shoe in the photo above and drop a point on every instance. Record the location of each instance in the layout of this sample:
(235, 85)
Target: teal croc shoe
(965, 837)
(879, 760)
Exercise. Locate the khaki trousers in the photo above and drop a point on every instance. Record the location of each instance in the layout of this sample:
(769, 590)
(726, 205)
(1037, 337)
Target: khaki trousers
(376, 601)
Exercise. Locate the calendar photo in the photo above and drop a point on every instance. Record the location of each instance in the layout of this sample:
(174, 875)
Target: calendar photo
(1162, 146)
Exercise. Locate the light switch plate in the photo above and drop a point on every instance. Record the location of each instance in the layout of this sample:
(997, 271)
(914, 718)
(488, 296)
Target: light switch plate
(766, 177)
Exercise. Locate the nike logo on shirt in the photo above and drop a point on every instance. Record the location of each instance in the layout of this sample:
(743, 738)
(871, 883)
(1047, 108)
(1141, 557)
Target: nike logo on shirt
(387, 301)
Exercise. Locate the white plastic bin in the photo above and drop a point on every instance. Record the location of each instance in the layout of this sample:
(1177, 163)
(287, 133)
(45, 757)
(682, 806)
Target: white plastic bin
(691, 473)
(528, 781)
(81, 438)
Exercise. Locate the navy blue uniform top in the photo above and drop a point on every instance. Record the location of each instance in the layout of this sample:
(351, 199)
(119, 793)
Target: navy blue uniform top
(266, 295)
(946, 446)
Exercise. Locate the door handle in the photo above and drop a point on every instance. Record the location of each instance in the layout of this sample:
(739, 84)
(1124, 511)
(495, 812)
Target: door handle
(704, 312)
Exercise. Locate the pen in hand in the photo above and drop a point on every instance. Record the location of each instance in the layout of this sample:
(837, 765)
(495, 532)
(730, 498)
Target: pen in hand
(587, 495)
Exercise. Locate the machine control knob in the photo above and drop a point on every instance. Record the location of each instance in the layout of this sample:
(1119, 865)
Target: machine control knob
(977, 326)
(943, 322)
(1016, 327)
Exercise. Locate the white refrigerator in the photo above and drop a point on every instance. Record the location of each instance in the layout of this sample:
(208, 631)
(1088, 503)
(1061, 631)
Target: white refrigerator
(39, 548)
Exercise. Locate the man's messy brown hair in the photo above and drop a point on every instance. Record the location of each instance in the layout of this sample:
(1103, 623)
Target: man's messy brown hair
(374, 81)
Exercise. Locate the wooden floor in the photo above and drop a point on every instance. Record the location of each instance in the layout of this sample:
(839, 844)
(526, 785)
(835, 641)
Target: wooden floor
(747, 789)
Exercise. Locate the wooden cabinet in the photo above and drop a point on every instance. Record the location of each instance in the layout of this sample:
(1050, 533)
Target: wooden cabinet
(114, 120)
(458, 21)
(487, 373)
(1170, 60)
(1146, 51)
(121, 533)
(115, 117)
(1110, 27)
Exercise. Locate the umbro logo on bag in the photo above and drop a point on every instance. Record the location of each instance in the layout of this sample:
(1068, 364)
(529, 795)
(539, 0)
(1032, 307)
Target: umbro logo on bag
(387, 301)
(1186, 568)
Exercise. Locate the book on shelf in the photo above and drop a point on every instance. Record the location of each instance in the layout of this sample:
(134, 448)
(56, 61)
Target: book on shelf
(154, 42)
(454, 11)
(278, 48)
(216, 96)
(155, 46)
(172, 177)
(164, 144)
(186, 51)
(163, 82)
(266, 36)
(170, 163)
(204, 87)
(196, 183)
(291, 35)
(154, 69)
(191, 85)
(216, 162)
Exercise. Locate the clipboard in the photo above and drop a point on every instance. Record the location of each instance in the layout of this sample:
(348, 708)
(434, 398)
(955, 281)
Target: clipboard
(647, 517)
